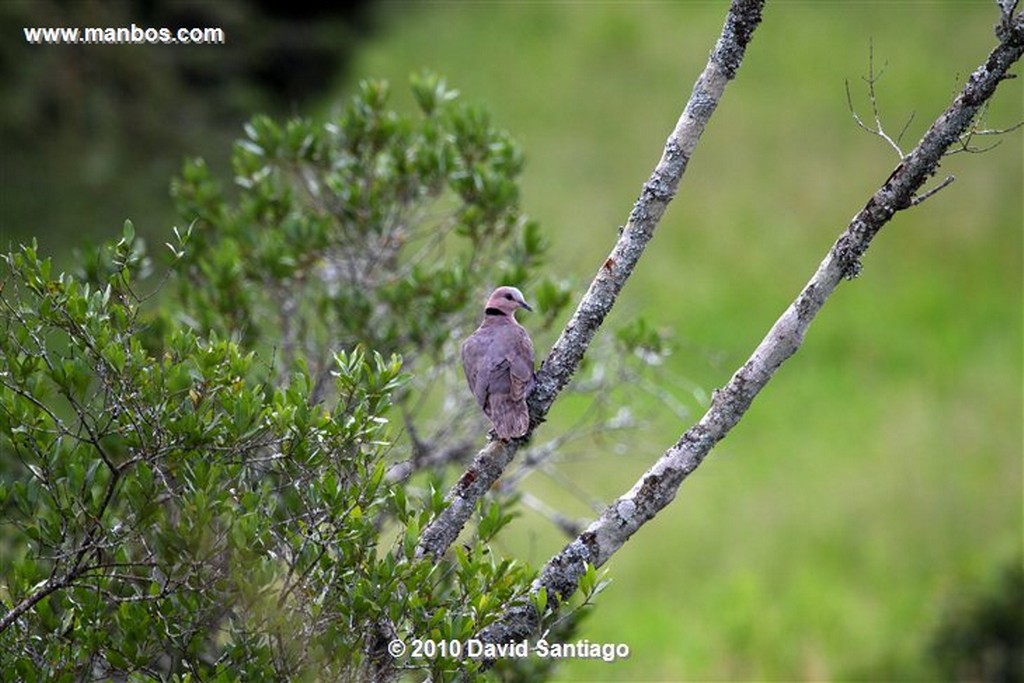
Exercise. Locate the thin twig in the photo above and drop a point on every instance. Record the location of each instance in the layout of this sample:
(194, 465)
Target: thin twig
(877, 130)
(964, 141)
(566, 525)
(935, 190)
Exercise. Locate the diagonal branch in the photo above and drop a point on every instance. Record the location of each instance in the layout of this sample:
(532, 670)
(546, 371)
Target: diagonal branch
(659, 485)
(50, 586)
(567, 352)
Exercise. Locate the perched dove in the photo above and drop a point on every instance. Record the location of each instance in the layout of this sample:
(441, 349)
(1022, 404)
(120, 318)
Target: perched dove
(498, 361)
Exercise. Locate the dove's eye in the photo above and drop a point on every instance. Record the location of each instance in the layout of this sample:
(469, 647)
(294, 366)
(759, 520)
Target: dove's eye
(508, 296)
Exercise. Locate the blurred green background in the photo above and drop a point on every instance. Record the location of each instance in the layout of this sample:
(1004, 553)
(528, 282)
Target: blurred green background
(874, 488)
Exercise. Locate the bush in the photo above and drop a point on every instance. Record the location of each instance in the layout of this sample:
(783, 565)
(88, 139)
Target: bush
(196, 477)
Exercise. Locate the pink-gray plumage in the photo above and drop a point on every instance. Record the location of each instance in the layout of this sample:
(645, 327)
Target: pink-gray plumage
(498, 361)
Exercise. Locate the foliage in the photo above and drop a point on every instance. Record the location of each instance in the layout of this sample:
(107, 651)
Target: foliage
(198, 488)
(375, 229)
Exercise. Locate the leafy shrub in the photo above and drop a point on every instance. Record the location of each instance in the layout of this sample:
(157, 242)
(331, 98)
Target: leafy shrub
(195, 477)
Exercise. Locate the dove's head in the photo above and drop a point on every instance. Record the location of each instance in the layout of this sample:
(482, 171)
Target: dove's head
(505, 301)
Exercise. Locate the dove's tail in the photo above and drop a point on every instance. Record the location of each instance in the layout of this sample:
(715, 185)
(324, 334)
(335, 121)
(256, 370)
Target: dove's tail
(511, 419)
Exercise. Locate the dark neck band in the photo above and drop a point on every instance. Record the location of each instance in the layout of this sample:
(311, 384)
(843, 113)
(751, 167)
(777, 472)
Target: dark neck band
(493, 311)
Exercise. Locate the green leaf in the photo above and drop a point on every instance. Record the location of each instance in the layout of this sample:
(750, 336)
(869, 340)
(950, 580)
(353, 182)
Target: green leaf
(412, 535)
(589, 580)
(540, 599)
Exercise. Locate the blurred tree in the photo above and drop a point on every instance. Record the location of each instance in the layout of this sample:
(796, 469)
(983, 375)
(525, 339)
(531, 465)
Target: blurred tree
(981, 637)
(76, 119)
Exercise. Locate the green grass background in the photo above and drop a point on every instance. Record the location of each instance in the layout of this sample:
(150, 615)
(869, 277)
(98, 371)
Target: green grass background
(878, 477)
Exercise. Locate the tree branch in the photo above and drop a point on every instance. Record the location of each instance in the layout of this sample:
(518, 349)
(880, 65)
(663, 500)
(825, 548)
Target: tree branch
(932, 192)
(877, 129)
(567, 352)
(659, 485)
(50, 586)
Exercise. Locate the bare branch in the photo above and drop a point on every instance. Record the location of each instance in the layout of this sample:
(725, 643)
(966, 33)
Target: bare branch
(935, 190)
(999, 131)
(903, 130)
(430, 457)
(965, 139)
(566, 525)
(743, 18)
(659, 485)
(1007, 8)
(877, 130)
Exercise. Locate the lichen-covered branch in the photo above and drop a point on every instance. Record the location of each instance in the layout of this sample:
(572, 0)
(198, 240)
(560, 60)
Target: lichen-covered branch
(567, 352)
(659, 485)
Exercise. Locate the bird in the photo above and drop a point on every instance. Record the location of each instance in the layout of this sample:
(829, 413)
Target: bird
(498, 361)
